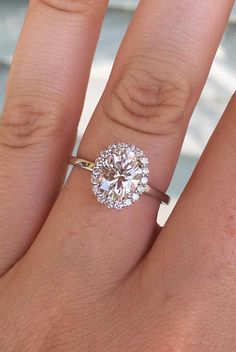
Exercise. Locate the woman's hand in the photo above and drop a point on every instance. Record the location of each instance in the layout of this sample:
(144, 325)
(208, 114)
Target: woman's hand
(76, 276)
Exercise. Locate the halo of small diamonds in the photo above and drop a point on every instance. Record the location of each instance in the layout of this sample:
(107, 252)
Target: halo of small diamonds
(120, 175)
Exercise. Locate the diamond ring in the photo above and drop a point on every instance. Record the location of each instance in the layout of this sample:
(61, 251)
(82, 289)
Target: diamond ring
(120, 176)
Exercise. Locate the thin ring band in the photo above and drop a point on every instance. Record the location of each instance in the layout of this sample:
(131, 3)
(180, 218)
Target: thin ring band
(89, 165)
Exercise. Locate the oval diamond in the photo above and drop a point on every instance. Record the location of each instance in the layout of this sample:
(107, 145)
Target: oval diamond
(119, 175)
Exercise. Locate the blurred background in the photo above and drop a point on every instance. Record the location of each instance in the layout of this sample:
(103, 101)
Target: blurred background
(220, 85)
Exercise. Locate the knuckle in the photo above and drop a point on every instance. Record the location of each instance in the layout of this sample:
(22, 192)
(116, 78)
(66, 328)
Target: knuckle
(25, 125)
(83, 7)
(147, 102)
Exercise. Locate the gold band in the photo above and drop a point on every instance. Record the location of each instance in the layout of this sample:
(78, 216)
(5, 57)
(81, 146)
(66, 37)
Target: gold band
(83, 164)
(89, 165)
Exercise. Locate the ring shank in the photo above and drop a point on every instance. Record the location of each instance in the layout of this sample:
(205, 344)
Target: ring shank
(83, 164)
(89, 165)
(156, 193)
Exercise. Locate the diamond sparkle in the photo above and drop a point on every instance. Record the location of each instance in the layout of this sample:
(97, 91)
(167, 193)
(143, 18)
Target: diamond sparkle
(120, 175)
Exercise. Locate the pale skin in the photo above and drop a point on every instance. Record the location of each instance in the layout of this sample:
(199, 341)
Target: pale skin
(76, 276)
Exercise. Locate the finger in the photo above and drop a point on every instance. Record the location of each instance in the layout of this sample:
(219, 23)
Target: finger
(207, 233)
(44, 99)
(156, 81)
(193, 264)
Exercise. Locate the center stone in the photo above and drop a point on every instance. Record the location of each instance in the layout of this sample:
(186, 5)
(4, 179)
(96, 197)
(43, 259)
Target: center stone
(120, 175)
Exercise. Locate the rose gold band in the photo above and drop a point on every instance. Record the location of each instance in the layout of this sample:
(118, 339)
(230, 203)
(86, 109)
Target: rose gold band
(156, 193)
(83, 164)
(89, 165)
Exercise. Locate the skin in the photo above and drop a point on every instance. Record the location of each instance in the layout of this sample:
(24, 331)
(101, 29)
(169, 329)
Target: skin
(76, 276)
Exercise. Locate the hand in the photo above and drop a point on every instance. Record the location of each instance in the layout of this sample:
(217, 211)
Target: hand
(76, 276)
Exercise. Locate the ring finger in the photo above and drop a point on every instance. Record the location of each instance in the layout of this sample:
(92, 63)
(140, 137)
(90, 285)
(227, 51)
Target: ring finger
(157, 78)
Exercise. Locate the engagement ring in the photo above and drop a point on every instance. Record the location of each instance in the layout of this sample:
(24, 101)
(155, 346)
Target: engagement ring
(120, 176)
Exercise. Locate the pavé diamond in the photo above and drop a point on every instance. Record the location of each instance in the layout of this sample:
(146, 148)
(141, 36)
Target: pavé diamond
(120, 174)
(135, 196)
(144, 180)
